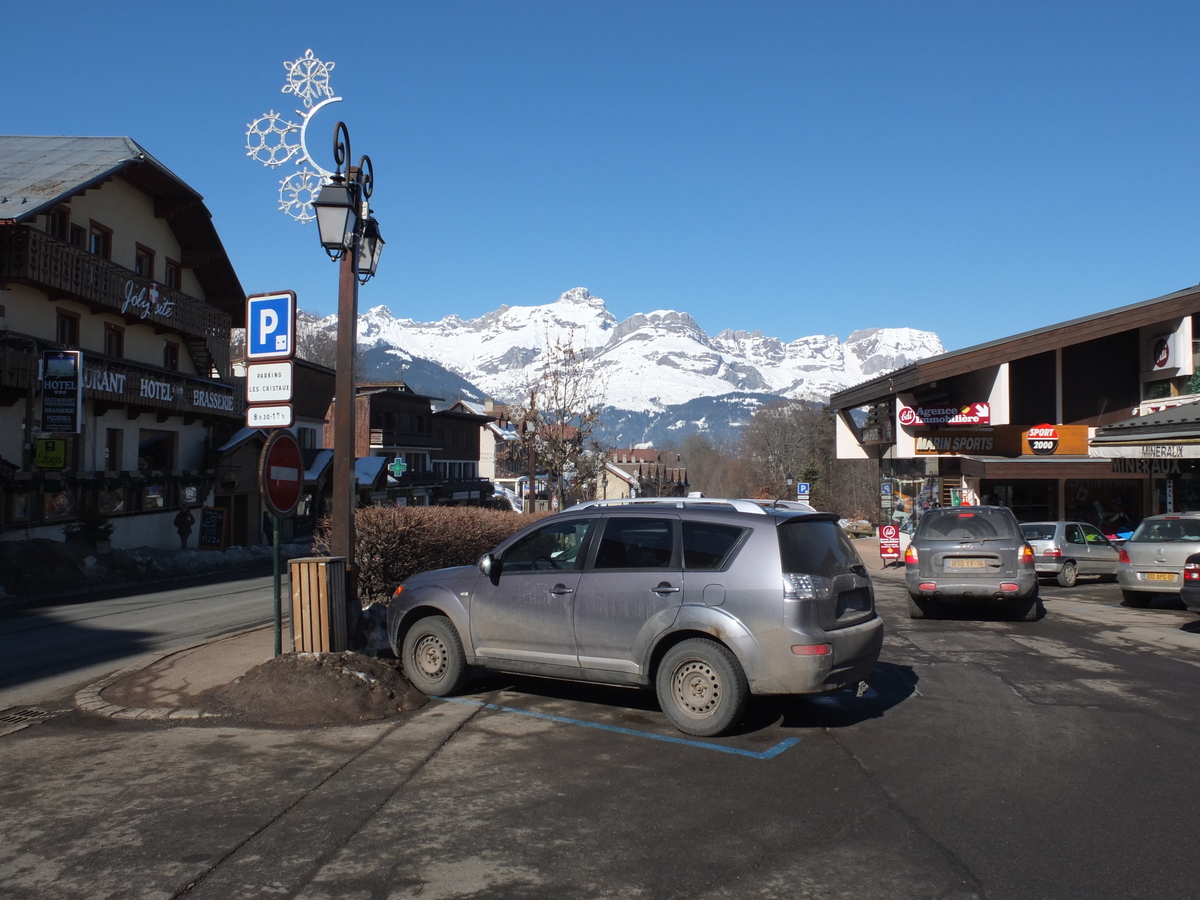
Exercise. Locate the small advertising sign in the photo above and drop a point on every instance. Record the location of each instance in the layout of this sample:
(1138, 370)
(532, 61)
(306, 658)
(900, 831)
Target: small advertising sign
(50, 454)
(62, 391)
(967, 414)
(889, 542)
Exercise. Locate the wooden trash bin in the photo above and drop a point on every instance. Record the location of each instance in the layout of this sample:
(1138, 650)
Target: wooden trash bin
(318, 604)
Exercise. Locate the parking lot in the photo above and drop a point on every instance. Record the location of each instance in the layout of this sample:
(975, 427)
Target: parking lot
(988, 758)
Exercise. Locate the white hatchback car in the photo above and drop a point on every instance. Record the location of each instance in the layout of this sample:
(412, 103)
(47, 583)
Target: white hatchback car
(1153, 558)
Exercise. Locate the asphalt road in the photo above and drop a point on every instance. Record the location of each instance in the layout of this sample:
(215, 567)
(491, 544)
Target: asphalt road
(990, 759)
(49, 650)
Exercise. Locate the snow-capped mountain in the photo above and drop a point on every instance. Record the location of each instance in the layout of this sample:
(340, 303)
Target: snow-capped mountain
(651, 362)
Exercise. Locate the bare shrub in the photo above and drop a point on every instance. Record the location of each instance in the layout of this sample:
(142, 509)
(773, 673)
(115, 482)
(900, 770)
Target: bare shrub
(391, 543)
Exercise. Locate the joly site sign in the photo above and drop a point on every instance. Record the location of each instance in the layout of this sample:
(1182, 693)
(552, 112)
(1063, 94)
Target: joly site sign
(62, 391)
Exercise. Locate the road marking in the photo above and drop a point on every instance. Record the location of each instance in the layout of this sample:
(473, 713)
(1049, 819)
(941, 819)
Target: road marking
(769, 753)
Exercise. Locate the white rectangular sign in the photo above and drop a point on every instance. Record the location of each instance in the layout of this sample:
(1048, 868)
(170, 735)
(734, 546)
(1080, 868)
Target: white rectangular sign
(269, 416)
(269, 382)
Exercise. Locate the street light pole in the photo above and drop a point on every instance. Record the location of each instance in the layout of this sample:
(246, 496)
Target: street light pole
(350, 236)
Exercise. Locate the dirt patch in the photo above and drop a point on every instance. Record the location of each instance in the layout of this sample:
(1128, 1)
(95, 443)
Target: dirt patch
(318, 689)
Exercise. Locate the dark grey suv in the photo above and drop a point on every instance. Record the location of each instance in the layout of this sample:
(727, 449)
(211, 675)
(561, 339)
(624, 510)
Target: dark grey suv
(708, 601)
(971, 553)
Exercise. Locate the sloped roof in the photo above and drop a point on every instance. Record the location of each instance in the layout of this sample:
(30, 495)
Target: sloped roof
(1177, 422)
(36, 173)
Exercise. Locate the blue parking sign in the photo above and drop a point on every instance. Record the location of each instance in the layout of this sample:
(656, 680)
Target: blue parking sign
(271, 326)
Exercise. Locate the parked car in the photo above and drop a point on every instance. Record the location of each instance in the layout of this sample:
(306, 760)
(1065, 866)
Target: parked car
(970, 553)
(1190, 593)
(1067, 550)
(1153, 558)
(707, 601)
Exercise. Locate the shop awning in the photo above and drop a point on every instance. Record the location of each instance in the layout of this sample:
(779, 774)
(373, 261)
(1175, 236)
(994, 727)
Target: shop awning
(1024, 467)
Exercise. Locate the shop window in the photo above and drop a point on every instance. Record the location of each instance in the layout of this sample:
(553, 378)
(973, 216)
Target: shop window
(113, 501)
(19, 506)
(114, 340)
(171, 356)
(173, 275)
(62, 504)
(156, 451)
(154, 496)
(66, 329)
(114, 440)
(100, 241)
(143, 262)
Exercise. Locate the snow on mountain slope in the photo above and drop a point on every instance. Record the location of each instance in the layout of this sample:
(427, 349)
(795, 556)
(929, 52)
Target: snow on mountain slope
(651, 361)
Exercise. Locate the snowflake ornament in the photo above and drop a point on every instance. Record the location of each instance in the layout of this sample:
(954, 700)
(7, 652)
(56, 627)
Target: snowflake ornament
(271, 139)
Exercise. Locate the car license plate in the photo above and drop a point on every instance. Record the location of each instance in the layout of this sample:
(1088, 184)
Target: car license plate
(1158, 576)
(964, 563)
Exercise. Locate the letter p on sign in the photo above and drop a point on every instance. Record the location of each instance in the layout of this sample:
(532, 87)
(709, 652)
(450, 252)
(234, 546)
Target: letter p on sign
(271, 326)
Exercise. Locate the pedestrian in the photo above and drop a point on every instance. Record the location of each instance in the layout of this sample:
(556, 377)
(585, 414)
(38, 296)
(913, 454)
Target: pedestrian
(184, 520)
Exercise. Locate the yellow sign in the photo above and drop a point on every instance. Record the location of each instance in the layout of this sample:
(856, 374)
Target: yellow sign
(50, 454)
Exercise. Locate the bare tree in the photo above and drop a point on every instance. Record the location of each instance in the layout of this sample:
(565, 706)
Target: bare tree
(565, 401)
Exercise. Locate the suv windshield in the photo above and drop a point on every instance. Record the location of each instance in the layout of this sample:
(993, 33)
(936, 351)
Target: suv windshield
(816, 547)
(976, 525)
(1167, 530)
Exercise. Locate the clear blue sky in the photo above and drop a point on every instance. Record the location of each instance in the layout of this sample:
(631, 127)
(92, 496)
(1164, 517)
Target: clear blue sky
(975, 169)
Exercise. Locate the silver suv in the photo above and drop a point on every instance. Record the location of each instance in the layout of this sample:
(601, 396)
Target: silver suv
(708, 601)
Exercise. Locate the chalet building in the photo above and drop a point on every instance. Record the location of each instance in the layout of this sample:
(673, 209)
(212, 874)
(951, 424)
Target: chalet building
(411, 454)
(116, 303)
(650, 472)
(1045, 422)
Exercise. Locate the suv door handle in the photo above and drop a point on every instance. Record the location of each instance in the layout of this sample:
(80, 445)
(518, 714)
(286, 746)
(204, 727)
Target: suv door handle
(561, 589)
(665, 588)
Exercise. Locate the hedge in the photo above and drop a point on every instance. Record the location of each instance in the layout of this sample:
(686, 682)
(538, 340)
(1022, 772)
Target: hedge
(391, 543)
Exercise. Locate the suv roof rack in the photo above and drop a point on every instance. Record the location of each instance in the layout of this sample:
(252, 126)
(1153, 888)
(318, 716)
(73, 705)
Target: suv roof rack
(749, 506)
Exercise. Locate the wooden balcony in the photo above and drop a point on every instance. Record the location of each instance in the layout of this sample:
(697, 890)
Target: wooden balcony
(31, 257)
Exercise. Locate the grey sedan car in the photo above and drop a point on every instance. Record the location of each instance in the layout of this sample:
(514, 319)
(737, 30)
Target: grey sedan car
(1066, 550)
(706, 601)
(1153, 558)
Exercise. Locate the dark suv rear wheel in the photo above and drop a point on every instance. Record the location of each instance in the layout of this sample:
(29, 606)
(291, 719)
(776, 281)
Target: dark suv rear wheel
(701, 687)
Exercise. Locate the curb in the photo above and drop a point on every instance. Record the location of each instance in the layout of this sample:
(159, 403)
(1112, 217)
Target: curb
(88, 699)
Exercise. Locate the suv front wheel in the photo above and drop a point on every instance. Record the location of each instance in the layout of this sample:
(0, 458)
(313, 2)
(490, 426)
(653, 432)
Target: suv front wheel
(433, 658)
(701, 687)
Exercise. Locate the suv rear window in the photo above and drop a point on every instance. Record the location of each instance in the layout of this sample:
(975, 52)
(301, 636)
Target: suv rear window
(706, 545)
(816, 547)
(977, 525)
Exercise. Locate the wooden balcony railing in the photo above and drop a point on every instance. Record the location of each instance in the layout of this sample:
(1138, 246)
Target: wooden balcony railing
(37, 259)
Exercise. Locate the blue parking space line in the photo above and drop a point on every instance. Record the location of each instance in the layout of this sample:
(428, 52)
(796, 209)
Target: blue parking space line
(769, 753)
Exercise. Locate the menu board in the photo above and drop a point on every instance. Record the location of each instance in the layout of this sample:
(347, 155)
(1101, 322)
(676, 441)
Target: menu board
(212, 529)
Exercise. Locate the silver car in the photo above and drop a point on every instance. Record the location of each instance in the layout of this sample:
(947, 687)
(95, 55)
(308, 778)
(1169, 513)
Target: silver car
(1152, 559)
(707, 601)
(1066, 550)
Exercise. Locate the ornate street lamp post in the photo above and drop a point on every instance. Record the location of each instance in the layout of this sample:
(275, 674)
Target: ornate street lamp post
(350, 235)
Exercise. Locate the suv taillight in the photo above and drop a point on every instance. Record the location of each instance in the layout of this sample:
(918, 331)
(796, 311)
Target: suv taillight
(806, 587)
(910, 556)
(1026, 558)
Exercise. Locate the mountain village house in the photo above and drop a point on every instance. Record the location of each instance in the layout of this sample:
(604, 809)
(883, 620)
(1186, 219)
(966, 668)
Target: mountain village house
(115, 313)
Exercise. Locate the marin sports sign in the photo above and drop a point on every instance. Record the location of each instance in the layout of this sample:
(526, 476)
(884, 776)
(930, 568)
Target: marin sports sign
(968, 414)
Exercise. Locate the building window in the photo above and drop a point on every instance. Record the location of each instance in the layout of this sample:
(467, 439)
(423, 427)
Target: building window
(67, 328)
(114, 339)
(77, 236)
(173, 275)
(114, 439)
(100, 241)
(59, 504)
(307, 438)
(112, 501)
(156, 451)
(58, 223)
(143, 262)
(171, 356)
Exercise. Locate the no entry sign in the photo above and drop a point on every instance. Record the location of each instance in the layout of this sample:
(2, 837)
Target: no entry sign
(281, 473)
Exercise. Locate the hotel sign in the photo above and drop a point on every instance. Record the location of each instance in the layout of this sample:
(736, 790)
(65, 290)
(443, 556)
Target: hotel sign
(126, 383)
(62, 391)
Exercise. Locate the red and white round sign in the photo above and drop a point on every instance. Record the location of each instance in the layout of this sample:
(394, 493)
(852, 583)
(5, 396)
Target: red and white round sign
(281, 473)
(1043, 439)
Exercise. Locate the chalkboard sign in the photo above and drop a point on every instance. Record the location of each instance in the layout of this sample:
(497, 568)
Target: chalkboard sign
(212, 529)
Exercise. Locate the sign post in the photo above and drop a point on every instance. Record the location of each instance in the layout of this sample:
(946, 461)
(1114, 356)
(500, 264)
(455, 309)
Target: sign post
(270, 347)
(889, 543)
(280, 480)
